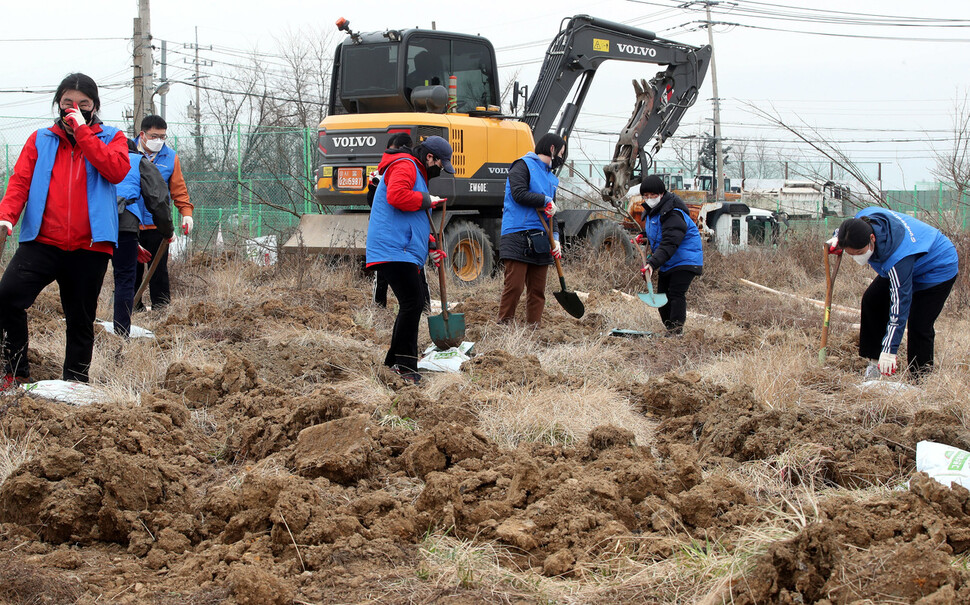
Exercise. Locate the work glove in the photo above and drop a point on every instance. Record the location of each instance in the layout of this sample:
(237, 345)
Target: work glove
(833, 245)
(187, 224)
(375, 178)
(8, 225)
(647, 272)
(556, 250)
(144, 256)
(74, 117)
(887, 364)
(639, 240)
(551, 207)
(435, 200)
(437, 256)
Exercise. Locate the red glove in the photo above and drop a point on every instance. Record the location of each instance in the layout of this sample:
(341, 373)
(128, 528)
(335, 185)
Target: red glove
(639, 240)
(437, 256)
(144, 256)
(435, 201)
(646, 272)
(74, 118)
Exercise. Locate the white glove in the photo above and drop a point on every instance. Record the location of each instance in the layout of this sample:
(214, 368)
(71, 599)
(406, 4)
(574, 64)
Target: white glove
(8, 226)
(887, 364)
(187, 225)
(74, 117)
(556, 250)
(435, 200)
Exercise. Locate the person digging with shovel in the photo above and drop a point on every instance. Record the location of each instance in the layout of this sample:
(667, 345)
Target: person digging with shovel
(916, 266)
(524, 248)
(677, 253)
(399, 238)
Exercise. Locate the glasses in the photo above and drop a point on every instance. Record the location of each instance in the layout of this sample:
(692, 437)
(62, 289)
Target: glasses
(83, 105)
(155, 137)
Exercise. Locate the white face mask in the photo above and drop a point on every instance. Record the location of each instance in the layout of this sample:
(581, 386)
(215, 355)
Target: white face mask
(154, 145)
(863, 258)
(652, 202)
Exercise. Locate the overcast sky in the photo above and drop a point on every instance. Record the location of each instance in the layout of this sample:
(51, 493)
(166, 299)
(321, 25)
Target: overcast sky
(898, 93)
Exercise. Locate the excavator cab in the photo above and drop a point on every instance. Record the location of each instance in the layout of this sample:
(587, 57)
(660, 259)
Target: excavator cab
(410, 70)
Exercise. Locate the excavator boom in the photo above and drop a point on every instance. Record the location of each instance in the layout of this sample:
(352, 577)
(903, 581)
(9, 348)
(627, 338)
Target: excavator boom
(581, 46)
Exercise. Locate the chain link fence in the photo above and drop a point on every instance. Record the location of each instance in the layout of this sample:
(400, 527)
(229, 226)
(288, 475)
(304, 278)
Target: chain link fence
(245, 182)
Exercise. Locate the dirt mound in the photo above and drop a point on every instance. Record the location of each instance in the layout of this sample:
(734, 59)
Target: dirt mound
(898, 547)
(501, 369)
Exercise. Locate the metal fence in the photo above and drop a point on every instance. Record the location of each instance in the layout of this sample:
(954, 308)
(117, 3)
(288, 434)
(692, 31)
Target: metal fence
(247, 182)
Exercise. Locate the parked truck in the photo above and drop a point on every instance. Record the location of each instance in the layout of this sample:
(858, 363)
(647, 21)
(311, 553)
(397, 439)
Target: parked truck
(395, 81)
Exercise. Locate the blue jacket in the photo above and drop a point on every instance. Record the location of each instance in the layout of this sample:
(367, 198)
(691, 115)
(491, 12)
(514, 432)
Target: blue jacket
(913, 256)
(515, 216)
(674, 238)
(101, 198)
(130, 188)
(164, 160)
(395, 235)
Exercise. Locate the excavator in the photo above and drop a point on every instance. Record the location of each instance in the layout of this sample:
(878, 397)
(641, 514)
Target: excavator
(429, 82)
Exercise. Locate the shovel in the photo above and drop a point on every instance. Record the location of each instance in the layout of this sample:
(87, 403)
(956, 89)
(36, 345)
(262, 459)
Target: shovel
(830, 273)
(652, 299)
(162, 248)
(447, 329)
(3, 242)
(567, 300)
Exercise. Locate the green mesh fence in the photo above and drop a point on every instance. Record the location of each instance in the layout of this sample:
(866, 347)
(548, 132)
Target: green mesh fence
(253, 181)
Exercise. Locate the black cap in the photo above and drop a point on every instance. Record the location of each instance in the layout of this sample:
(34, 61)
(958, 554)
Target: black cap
(441, 150)
(653, 184)
(854, 233)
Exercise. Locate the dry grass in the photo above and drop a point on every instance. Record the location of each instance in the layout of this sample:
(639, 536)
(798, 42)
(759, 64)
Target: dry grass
(15, 451)
(557, 416)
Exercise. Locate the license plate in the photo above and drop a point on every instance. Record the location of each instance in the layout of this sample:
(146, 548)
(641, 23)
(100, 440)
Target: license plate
(350, 178)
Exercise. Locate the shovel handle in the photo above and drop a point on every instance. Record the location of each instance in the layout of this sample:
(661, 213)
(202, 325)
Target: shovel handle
(552, 243)
(830, 273)
(162, 249)
(3, 241)
(442, 286)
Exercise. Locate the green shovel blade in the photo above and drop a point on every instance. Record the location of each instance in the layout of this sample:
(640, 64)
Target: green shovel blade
(447, 332)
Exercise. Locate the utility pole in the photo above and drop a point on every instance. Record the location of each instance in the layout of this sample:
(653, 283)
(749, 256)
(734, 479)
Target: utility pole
(716, 185)
(142, 55)
(197, 113)
(164, 79)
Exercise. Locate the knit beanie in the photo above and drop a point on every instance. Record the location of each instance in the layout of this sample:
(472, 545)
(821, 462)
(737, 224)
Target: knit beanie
(653, 185)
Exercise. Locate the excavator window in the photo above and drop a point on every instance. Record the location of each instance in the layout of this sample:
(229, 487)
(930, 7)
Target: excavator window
(432, 60)
(374, 70)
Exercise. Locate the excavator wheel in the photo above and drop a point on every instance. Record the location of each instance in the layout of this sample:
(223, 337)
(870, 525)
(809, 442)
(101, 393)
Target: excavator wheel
(609, 240)
(470, 252)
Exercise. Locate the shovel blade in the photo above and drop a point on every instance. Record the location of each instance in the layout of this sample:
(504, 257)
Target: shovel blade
(571, 303)
(654, 300)
(449, 333)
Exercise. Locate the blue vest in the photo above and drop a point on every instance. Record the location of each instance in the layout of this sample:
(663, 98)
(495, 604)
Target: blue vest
(130, 188)
(515, 216)
(395, 235)
(936, 260)
(164, 160)
(102, 199)
(690, 252)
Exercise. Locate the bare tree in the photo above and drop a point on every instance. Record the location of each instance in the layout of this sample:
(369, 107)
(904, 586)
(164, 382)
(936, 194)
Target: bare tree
(953, 162)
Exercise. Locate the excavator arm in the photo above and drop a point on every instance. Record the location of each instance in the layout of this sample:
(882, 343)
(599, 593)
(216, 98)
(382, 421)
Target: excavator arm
(581, 46)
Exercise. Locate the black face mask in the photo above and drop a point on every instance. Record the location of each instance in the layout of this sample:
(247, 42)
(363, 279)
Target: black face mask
(557, 161)
(433, 172)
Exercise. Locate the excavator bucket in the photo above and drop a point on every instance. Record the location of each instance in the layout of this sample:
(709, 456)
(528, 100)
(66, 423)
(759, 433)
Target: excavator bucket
(619, 172)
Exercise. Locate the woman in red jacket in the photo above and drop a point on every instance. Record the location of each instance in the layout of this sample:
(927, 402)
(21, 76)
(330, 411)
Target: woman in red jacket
(64, 186)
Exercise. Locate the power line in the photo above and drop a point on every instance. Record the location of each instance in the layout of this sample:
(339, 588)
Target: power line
(59, 39)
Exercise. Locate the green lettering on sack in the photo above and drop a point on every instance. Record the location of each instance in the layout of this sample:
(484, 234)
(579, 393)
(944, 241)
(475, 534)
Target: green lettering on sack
(959, 459)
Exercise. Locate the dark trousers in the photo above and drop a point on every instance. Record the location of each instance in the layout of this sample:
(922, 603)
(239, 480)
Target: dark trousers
(124, 264)
(380, 290)
(674, 284)
(79, 274)
(405, 281)
(150, 240)
(925, 308)
(523, 276)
